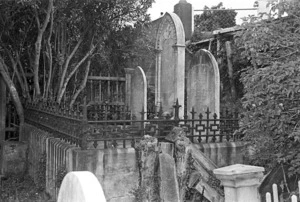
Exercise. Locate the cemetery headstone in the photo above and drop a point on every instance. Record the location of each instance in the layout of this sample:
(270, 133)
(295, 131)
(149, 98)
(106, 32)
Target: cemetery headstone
(138, 93)
(170, 60)
(80, 186)
(203, 83)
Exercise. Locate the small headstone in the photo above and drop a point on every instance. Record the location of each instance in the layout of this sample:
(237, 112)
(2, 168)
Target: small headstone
(80, 186)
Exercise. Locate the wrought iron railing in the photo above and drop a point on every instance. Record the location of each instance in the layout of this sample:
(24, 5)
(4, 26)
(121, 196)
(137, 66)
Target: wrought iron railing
(106, 125)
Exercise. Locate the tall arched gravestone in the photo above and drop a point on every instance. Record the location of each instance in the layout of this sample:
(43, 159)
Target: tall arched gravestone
(203, 83)
(170, 60)
(136, 97)
(139, 93)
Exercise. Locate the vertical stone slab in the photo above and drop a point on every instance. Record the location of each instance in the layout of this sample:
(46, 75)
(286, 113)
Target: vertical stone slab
(169, 189)
(203, 85)
(2, 108)
(138, 100)
(170, 61)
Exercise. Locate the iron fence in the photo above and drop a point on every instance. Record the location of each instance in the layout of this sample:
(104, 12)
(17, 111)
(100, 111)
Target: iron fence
(104, 126)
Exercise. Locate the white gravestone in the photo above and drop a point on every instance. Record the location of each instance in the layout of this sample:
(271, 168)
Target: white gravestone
(80, 186)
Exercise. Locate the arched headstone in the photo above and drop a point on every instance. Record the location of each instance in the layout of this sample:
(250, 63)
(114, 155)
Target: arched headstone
(138, 93)
(203, 83)
(80, 186)
(170, 60)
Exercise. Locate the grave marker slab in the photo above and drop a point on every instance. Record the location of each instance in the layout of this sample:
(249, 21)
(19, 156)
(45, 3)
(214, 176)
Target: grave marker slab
(170, 60)
(203, 85)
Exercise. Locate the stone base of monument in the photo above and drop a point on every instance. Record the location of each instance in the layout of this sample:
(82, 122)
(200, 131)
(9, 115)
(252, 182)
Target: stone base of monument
(80, 186)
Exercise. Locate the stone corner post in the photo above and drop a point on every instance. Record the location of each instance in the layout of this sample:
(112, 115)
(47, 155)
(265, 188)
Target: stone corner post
(240, 182)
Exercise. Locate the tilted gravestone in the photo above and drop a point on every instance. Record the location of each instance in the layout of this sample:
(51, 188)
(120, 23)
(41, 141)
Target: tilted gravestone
(80, 186)
(170, 60)
(203, 84)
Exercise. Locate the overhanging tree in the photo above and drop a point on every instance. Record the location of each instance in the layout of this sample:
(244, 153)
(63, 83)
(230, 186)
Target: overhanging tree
(57, 41)
(272, 87)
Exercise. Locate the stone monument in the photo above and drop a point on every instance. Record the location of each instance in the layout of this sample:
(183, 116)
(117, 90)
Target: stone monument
(170, 60)
(185, 12)
(203, 83)
(136, 97)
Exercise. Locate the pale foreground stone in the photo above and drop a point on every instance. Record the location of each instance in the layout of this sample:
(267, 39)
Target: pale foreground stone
(81, 186)
(240, 182)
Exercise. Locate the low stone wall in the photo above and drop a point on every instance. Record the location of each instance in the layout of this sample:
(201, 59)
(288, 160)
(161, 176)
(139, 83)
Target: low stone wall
(224, 153)
(116, 169)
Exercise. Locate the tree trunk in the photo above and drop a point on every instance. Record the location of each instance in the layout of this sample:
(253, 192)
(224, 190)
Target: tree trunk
(83, 84)
(65, 68)
(24, 79)
(14, 94)
(230, 70)
(38, 46)
(49, 50)
(63, 88)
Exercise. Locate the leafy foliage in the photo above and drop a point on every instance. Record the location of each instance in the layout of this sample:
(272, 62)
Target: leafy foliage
(272, 87)
(79, 34)
(210, 20)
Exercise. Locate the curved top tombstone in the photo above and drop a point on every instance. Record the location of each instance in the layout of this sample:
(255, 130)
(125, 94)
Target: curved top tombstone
(203, 86)
(170, 61)
(170, 27)
(80, 186)
(139, 93)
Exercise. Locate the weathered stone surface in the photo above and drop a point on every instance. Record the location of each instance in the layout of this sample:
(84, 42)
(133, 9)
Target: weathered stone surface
(81, 187)
(223, 153)
(240, 182)
(169, 184)
(13, 157)
(148, 167)
(170, 60)
(203, 86)
(166, 147)
(116, 169)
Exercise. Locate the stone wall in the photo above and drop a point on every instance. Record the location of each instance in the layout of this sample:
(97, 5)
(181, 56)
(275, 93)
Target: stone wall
(223, 153)
(116, 169)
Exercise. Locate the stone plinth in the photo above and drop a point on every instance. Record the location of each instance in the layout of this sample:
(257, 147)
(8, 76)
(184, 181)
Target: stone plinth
(240, 182)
